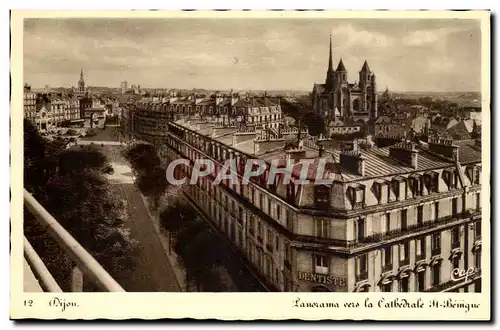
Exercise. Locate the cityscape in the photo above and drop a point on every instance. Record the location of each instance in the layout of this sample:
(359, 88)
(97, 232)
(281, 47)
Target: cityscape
(399, 143)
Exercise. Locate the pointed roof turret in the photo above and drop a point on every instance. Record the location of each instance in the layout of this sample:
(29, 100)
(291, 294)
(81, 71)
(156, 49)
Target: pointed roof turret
(365, 67)
(341, 66)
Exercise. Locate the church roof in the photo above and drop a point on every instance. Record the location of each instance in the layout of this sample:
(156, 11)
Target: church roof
(320, 88)
(341, 66)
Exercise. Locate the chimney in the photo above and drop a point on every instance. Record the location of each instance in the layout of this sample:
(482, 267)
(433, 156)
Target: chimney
(444, 147)
(320, 150)
(405, 152)
(353, 161)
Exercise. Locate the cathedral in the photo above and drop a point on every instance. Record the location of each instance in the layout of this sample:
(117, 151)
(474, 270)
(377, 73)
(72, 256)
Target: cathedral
(337, 99)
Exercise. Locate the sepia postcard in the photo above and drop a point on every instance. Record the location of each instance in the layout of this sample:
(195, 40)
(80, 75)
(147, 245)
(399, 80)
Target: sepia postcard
(275, 165)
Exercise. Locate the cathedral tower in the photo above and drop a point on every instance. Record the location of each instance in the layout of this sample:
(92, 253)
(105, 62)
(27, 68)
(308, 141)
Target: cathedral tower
(81, 83)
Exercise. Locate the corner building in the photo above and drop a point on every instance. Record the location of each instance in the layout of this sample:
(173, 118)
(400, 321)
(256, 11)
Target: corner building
(398, 218)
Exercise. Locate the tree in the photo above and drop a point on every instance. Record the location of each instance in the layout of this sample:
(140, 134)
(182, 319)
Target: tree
(315, 123)
(176, 216)
(78, 160)
(74, 190)
(151, 178)
(152, 183)
(142, 156)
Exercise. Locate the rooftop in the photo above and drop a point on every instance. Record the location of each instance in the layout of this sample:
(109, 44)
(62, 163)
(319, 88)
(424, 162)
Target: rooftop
(378, 162)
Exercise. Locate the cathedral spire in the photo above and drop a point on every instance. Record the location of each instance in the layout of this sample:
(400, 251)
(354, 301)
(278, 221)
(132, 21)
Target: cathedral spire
(330, 58)
(330, 73)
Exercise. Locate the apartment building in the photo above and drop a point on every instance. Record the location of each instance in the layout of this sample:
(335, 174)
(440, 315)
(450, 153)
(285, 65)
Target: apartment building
(29, 103)
(400, 218)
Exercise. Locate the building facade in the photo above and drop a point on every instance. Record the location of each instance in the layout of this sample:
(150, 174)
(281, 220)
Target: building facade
(29, 103)
(402, 218)
(339, 99)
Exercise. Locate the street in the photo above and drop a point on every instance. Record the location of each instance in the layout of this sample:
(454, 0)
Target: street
(152, 272)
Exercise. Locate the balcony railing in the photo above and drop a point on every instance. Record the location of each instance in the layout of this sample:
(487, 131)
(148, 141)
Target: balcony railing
(86, 265)
(378, 237)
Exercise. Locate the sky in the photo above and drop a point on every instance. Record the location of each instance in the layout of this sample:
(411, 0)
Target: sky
(259, 54)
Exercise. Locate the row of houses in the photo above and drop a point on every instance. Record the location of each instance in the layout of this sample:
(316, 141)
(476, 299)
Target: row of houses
(47, 110)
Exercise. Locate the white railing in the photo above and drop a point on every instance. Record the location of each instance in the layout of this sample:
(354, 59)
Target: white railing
(85, 264)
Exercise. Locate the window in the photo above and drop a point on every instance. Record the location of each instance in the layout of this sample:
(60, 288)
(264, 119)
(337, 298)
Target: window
(278, 212)
(421, 281)
(361, 267)
(454, 206)
(477, 176)
(477, 286)
(436, 210)
(269, 206)
(478, 201)
(360, 229)
(436, 244)
(321, 264)
(260, 231)
(289, 220)
(477, 259)
(261, 201)
(387, 287)
(456, 263)
(404, 253)
(288, 255)
(321, 196)
(417, 186)
(387, 258)
(322, 228)
(455, 238)
(436, 274)
(270, 240)
(387, 222)
(420, 248)
(404, 284)
(277, 243)
(404, 219)
(477, 229)
(420, 215)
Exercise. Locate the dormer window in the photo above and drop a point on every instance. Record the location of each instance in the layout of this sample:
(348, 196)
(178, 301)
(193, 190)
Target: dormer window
(356, 195)
(381, 190)
(474, 174)
(321, 196)
(431, 180)
(451, 178)
(415, 185)
(396, 185)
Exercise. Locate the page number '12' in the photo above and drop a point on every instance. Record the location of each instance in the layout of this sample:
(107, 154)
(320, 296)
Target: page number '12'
(28, 303)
